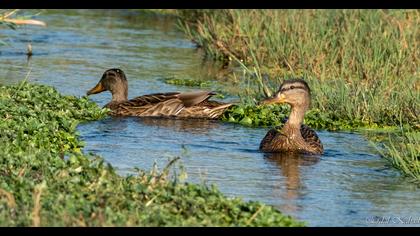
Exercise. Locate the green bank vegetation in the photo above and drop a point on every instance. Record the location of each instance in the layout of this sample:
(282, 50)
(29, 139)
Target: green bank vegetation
(362, 67)
(46, 180)
(402, 151)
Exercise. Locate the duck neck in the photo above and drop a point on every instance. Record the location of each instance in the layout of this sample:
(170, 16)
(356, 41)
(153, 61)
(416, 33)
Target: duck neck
(120, 94)
(119, 97)
(296, 118)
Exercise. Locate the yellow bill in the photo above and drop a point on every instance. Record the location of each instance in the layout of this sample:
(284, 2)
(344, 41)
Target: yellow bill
(276, 99)
(97, 89)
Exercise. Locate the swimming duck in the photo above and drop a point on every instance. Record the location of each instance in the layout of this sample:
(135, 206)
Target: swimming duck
(292, 136)
(172, 104)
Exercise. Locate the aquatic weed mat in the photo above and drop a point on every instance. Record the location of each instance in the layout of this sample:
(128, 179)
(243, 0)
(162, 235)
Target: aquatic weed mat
(46, 180)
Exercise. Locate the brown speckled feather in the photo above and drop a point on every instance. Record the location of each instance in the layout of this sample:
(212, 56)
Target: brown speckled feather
(205, 109)
(278, 140)
(174, 104)
(312, 139)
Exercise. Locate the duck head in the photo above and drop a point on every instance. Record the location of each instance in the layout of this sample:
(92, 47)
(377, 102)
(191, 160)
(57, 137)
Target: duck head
(294, 92)
(115, 81)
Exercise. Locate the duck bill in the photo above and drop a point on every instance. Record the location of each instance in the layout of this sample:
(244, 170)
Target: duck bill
(97, 89)
(273, 100)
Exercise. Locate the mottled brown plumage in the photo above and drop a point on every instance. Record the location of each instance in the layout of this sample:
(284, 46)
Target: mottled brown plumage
(292, 136)
(172, 104)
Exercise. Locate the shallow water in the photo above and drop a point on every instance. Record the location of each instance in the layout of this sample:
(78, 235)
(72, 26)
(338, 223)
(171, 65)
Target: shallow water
(347, 186)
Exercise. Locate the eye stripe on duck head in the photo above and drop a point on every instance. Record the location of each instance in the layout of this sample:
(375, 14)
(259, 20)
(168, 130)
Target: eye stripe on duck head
(115, 72)
(294, 84)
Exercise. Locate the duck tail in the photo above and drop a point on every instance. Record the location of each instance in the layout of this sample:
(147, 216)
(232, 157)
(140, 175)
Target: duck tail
(217, 111)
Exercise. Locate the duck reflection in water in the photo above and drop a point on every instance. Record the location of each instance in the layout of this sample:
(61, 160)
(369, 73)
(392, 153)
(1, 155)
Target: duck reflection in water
(289, 165)
(194, 126)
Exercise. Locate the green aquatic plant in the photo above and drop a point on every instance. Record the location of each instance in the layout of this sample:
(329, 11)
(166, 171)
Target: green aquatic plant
(47, 180)
(188, 82)
(34, 115)
(193, 83)
(251, 115)
(273, 115)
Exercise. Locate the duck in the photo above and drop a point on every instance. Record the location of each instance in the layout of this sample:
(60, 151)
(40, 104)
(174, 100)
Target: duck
(194, 104)
(292, 136)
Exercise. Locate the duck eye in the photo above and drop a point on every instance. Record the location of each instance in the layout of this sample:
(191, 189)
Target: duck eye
(292, 87)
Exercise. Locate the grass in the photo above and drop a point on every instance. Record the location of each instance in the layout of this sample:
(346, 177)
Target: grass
(402, 152)
(46, 179)
(362, 66)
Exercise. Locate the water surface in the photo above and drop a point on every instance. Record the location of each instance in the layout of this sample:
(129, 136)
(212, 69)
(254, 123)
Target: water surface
(346, 186)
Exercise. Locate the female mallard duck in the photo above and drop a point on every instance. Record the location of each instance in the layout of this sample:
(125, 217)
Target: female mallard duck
(292, 136)
(173, 104)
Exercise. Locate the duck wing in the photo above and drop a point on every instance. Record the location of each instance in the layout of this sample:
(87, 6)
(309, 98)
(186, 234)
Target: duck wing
(190, 99)
(160, 104)
(275, 140)
(150, 99)
(200, 107)
(311, 138)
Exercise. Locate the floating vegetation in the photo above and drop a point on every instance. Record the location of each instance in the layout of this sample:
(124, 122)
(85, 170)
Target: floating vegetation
(250, 115)
(193, 83)
(188, 82)
(46, 179)
(273, 115)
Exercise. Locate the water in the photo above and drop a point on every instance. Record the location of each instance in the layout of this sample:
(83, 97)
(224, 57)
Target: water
(347, 186)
